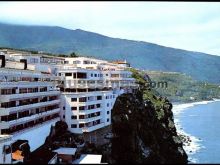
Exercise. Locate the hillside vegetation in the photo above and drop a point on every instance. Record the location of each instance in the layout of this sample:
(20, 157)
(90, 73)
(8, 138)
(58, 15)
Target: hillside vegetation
(142, 55)
(183, 88)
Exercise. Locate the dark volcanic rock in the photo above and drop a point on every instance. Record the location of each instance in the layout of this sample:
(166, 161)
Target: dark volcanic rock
(143, 133)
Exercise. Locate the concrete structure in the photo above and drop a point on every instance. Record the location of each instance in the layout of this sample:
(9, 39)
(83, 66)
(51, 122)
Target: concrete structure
(38, 90)
(89, 88)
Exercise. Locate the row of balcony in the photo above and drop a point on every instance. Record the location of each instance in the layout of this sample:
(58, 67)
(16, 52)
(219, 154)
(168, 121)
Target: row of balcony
(32, 117)
(86, 112)
(7, 98)
(87, 84)
(90, 119)
(11, 84)
(7, 111)
(29, 126)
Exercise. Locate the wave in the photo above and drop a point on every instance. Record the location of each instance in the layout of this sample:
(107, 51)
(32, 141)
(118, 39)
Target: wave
(193, 145)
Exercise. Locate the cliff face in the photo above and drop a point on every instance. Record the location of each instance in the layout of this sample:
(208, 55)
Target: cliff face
(144, 133)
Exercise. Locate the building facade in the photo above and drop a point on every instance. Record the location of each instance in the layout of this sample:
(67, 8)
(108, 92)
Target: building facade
(89, 88)
(38, 90)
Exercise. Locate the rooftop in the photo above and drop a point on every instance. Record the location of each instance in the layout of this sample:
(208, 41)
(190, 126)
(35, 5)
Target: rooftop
(88, 159)
(65, 151)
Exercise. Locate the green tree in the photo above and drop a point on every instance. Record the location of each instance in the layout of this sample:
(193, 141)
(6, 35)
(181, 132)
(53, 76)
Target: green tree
(73, 54)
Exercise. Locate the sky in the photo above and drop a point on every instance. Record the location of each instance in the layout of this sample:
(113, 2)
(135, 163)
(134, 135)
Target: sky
(192, 26)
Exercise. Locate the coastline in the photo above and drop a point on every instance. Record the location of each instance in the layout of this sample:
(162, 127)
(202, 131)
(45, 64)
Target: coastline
(191, 144)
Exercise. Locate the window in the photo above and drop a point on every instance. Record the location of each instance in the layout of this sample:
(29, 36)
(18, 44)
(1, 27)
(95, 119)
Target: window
(98, 105)
(81, 75)
(99, 97)
(106, 74)
(81, 117)
(64, 108)
(91, 74)
(59, 74)
(73, 125)
(64, 116)
(76, 62)
(107, 120)
(73, 99)
(91, 107)
(107, 104)
(82, 108)
(81, 125)
(73, 108)
(68, 74)
(73, 117)
(95, 75)
(107, 112)
(82, 99)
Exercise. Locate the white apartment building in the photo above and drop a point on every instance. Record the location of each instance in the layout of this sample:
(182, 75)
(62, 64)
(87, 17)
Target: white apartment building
(89, 89)
(29, 104)
(38, 90)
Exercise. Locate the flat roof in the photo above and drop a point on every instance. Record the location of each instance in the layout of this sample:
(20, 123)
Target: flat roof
(88, 159)
(65, 151)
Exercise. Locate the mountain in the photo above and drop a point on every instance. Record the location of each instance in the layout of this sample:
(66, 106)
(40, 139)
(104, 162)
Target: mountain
(143, 55)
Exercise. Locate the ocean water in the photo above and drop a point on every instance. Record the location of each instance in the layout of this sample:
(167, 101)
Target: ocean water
(200, 121)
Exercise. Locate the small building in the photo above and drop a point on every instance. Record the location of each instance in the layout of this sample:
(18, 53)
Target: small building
(65, 155)
(88, 159)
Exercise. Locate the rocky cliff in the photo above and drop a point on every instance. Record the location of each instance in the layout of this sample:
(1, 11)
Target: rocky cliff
(143, 130)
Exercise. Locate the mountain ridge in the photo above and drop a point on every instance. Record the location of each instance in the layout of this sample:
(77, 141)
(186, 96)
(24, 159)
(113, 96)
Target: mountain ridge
(141, 54)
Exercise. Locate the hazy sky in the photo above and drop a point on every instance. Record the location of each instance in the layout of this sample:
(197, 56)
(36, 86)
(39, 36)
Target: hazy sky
(187, 25)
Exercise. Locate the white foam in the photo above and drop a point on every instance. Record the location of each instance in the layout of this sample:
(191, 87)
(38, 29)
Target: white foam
(193, 146)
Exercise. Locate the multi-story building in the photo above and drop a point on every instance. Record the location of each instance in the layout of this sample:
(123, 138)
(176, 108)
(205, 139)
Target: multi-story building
(89, 88)
(29, 102)
(38, 90)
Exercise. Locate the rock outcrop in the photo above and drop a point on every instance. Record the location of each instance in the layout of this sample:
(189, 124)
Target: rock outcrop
(143, 134)
(143, 130)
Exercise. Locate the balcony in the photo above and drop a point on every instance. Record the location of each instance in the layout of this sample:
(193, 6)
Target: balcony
(31, 106)
(93, 128)
(48, 122)
(4, 112)
(90, 119)
(85, 112)
(26, 84)
(33, 117)
(7, 98)
(4, 125)
(89, 103)
(85, 84)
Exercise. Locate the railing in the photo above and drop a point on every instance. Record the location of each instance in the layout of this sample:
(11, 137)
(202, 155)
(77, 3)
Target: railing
(7, 98)
(30, 106)
(35, 126)
(27, 83)
(90, 119)
(88, 84)
(82, 112)
(89, 102)
(35, 116)
(5, 138)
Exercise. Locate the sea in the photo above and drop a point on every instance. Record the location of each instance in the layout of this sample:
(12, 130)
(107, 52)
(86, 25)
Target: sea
(201, 122)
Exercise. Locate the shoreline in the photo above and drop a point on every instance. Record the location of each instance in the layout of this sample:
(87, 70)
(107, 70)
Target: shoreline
(191, 144)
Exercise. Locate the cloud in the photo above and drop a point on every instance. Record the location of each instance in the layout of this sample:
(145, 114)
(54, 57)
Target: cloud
(186, 25)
